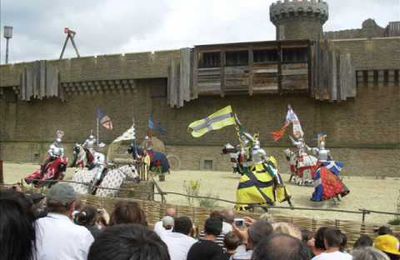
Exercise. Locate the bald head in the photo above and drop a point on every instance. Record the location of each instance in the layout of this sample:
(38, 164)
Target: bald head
(280, 246)
(170, 212)
(229, 215)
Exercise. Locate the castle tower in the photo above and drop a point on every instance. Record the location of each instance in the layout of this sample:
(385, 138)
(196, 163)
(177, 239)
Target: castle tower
(299, 19)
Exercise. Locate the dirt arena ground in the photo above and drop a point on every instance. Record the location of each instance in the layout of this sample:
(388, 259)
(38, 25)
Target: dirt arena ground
(366, 193)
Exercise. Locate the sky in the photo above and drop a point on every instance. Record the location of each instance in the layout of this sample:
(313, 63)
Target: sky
(125, 26)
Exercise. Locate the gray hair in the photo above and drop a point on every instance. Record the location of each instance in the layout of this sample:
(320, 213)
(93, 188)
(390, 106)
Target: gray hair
(368, 253)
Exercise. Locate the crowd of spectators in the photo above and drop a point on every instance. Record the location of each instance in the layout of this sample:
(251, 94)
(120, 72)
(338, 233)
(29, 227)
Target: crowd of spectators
(34, 227)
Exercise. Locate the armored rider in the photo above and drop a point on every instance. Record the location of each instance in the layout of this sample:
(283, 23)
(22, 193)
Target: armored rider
(321, 152)
(56, 151)
(90, 143)
(99, 160)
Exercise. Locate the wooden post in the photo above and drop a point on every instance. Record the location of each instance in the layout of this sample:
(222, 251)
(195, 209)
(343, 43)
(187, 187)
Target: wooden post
(1, 172)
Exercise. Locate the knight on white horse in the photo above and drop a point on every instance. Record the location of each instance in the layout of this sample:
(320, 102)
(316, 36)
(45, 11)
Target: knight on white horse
(302, 165)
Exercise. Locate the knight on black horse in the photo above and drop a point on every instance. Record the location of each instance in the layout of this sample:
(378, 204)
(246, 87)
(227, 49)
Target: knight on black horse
(158, 161)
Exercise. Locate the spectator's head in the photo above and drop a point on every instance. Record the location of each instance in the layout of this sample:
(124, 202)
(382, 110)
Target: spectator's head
(61, 199)
(363, 241)
(257, 232)
(38, 204)
(127, 212)
(231, 241)
(287, 228)
(17, 231)
(25, 202)
(333, 238)
(183, 225)
(282, 247)
(368, 253)
(168, 222)
(170, 212)
(384, 230)
(389, 245)
(87, 216)
(344, 242)
(319, 238)
(133, 242)
(306, 235)
(213, 226)
(216, 214)
(229, 216)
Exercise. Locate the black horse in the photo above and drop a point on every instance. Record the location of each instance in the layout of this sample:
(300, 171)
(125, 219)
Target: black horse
(158, 160)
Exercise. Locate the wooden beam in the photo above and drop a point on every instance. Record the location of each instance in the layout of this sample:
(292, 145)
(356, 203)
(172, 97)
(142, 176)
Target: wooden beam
(251, 61)
(222, 66)
(280, 60)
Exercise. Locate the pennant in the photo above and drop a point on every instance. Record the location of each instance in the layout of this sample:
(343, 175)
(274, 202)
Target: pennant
(129, 134)
(277, 135)
(291, 118)
(154, 127)
(104, 120)
(220, 119)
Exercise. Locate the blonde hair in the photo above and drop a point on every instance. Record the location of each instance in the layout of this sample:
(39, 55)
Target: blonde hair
(287, 228)
(369, 253)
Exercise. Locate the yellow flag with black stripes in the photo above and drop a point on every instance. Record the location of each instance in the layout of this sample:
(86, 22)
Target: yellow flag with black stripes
(220, 119)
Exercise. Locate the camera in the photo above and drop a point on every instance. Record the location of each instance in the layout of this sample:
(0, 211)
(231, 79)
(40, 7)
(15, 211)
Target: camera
(239, 222)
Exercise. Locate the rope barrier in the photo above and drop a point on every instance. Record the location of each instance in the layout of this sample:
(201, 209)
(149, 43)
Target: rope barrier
(362, 212)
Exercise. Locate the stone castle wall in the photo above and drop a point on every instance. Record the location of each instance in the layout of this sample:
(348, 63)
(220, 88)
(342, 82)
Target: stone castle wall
(362, 132)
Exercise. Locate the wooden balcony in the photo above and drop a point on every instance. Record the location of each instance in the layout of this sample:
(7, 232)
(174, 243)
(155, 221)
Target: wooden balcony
(252, 68)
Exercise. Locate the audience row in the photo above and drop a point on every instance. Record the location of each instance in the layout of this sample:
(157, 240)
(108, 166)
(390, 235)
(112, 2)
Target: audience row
(58, 227)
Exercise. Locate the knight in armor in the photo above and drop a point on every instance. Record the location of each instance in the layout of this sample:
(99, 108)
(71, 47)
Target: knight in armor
(321, 152)
(260, 182)
(56, 151)
(300, 145)
(90, 143)
(148, 143)
(328, 185)
(98, 159)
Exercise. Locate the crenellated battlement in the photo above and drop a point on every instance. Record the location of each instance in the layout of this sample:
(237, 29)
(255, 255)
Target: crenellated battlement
(296, 8)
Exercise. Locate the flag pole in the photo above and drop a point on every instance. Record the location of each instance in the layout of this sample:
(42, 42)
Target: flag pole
(134, 137)
(97, 131)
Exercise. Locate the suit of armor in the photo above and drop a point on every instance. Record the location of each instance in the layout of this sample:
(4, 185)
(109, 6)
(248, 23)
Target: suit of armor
(90, 144)
(258, 155)
(301, 146)
(56, 149)
(99, 159)
(322, 154)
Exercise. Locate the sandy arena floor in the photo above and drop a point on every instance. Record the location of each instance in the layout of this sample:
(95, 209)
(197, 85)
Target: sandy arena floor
(366, 193)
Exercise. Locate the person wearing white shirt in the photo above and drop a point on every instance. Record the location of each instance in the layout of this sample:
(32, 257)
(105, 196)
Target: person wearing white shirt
(57, 237)
(179, 240)
(333, 240)
(158, 227)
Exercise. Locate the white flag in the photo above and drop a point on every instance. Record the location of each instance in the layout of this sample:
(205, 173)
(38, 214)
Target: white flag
(291, 117)
(127, 135)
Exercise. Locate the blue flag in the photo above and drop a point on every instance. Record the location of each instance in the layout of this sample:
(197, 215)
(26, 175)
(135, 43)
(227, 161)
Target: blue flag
(156, 127)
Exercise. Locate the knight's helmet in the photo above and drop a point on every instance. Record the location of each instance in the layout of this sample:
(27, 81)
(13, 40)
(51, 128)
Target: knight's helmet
(258, 155)
(321, 140)
(59, 136)
(91, 136)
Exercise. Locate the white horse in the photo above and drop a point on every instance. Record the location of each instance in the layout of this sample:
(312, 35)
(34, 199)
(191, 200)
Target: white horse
(82, 179)
(113, 180)
(110, 184)
(301, 168)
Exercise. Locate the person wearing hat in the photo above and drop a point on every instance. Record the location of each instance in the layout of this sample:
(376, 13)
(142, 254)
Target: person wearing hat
(388, 244)
(57, 236)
